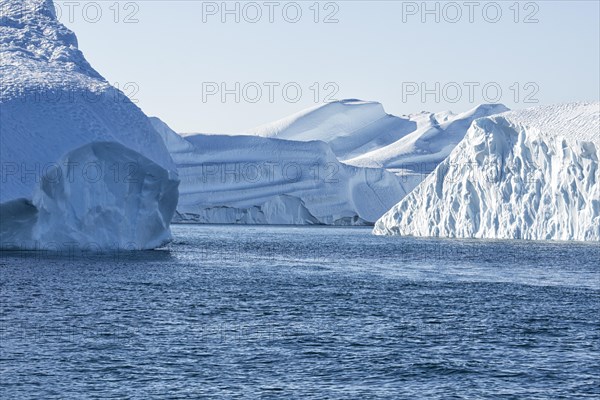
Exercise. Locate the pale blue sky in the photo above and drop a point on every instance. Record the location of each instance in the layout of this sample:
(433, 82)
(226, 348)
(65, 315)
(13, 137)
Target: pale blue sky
(371, 53)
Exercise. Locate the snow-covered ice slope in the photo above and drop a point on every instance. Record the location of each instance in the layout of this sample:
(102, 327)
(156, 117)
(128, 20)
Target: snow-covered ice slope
(347, 125)
(55, 107)
(255, 180)
(362, 134)
(530, 174)
(421, 150)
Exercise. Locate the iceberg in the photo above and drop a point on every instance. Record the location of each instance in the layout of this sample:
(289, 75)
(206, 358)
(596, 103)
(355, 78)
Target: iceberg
(529, 174)
(82, 165)
(255, 180)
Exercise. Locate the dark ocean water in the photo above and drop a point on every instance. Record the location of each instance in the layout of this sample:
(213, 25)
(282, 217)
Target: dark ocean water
(311, 313)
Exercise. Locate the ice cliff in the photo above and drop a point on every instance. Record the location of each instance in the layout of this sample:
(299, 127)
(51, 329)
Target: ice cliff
(529, 174)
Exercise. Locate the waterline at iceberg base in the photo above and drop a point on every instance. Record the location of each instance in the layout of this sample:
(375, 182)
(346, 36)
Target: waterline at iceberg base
(304, 312)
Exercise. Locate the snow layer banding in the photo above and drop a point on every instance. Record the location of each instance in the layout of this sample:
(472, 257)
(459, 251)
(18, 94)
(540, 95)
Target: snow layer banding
(530, 174)
(52, 104)
(355, 140)
(256, 180)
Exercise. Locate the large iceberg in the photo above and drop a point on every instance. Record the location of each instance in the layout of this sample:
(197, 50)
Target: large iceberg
(355, 140)
(529, 174)
(257, 180)
(81, 164)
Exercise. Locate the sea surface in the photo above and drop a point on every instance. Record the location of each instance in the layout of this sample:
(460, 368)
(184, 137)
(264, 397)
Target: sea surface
(249, 312)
